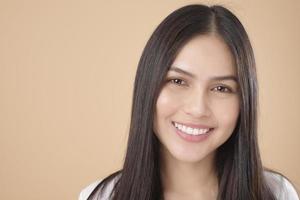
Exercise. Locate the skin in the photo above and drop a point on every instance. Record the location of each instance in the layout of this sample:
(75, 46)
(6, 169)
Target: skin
(187, 167)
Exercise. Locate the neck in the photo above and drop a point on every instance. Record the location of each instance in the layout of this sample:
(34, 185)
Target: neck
(189, 179)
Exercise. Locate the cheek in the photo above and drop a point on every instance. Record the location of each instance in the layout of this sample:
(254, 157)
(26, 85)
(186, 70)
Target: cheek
(166, 104)
(227, 113)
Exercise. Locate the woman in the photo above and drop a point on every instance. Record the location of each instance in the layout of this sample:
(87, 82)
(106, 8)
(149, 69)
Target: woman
(193, 131)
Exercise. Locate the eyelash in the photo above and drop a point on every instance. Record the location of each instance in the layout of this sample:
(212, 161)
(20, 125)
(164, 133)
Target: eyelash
(229, 90)
(172, 81)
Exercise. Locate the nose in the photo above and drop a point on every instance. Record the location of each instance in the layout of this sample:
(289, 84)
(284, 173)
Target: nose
(197, 105)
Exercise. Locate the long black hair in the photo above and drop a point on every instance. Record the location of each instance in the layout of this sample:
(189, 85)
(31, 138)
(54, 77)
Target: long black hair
(238, 162)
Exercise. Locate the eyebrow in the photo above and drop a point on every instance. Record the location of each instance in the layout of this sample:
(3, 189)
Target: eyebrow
(214, 78)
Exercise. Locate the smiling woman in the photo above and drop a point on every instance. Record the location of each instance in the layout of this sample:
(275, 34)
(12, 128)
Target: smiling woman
(193, 131)
(205, 114)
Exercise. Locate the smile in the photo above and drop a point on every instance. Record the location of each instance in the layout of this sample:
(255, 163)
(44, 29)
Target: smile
(189, 130)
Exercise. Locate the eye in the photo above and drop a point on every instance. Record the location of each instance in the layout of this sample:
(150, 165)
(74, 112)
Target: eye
(222, 89)
(177, 81)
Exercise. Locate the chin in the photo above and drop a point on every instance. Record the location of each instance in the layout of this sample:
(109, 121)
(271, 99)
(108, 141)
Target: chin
(189, 155)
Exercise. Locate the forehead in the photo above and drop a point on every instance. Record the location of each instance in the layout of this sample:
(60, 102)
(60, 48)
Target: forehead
(206, 55)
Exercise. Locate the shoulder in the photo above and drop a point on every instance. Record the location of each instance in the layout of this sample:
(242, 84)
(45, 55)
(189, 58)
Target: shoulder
(85, 193)
(281, 186)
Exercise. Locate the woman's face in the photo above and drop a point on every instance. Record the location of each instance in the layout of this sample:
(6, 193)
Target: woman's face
(200, 94)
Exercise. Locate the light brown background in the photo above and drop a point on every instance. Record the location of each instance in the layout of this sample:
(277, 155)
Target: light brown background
(66, 77)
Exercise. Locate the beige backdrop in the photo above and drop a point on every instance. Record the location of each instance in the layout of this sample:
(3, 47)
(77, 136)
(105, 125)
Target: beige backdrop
(66, 77)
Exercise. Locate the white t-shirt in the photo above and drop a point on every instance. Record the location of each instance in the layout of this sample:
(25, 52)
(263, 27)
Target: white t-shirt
(284, 190)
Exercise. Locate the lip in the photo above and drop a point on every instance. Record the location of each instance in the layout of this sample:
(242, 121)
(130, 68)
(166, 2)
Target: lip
(193, 138)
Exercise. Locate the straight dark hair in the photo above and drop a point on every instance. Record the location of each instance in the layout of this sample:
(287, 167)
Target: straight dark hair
(238, 163)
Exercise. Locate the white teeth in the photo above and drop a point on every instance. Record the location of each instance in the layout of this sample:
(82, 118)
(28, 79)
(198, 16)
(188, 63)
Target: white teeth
(195, 131)
(191, 131)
